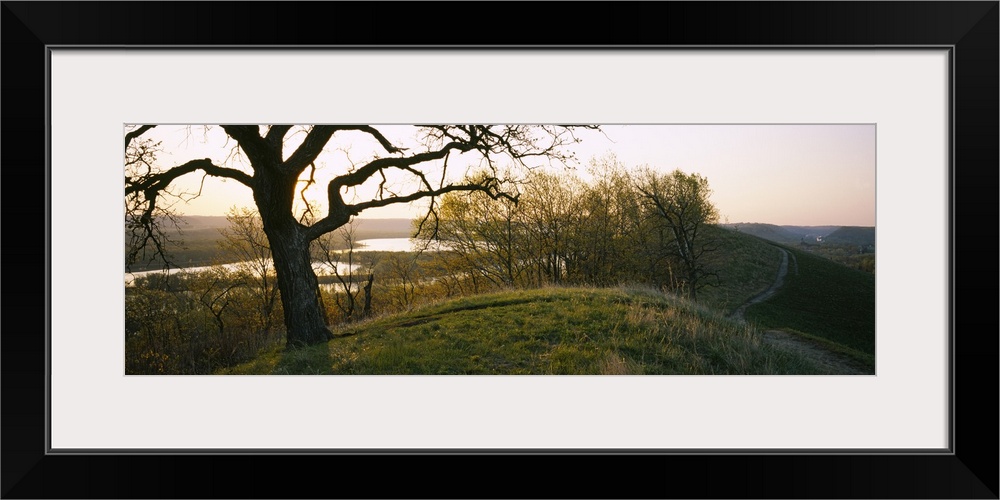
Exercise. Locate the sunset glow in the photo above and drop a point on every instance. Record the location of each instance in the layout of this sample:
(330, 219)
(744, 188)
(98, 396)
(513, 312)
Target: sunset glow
(779, 174)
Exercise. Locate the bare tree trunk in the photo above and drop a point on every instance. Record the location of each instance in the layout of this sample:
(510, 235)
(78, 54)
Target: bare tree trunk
(298, 285)
(367, 310)
(322, 305)
(693, 281)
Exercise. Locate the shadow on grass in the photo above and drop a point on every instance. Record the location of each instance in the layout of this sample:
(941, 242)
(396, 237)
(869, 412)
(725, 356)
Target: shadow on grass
(312, 360)
(825, 300)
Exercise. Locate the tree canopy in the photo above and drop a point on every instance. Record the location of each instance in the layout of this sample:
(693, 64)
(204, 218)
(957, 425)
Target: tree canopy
(680, 201)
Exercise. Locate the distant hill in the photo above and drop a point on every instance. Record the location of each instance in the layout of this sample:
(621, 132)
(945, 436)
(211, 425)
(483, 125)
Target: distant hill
(808, 232)
(781, 234)
(812, 235)
(202, 226)
(384, 228)
(196, 222)
(851, 235)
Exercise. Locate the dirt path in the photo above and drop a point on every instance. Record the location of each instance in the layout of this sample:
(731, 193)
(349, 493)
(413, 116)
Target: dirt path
(766, 294)
(826, 359)
(830, 361)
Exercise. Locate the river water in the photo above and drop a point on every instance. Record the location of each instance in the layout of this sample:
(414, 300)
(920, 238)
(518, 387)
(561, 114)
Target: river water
(374, 245)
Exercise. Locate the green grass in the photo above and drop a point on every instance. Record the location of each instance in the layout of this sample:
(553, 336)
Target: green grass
(824, 299)
(861, 360)
(545, 331)
(746, 266)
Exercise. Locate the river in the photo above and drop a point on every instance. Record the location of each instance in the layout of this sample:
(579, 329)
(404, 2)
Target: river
(374, 245)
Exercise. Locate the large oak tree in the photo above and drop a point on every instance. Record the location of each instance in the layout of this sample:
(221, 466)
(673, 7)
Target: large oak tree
(274, 174)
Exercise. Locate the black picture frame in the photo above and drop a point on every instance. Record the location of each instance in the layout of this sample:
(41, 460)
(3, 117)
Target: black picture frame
(969, 28)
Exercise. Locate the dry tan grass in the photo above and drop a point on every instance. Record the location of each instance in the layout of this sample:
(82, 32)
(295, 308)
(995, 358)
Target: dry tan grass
(614, 364)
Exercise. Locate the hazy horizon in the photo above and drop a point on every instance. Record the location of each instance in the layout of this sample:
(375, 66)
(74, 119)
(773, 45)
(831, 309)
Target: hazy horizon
(365, 217)
(786, 175)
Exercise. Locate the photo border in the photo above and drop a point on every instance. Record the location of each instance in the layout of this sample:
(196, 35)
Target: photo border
(31, 30)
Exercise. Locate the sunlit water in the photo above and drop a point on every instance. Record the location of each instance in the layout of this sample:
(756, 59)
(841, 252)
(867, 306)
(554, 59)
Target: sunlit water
(371, 245)
(396, 245)
(384, 245)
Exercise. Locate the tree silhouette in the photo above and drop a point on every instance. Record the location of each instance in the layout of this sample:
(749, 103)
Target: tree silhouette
(275, 173)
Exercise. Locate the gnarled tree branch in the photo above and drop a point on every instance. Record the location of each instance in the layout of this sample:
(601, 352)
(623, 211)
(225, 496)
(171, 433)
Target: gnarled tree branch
(316, 140)
(159, 181)
(129, 137)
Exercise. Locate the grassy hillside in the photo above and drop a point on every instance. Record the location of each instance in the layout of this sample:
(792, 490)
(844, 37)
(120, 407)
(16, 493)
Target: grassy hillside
(543, 331)
(625, 330)
(746, 266)
(823, 299)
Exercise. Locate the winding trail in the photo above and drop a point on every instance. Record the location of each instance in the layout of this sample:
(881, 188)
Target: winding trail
(740, 312)
(831, 361)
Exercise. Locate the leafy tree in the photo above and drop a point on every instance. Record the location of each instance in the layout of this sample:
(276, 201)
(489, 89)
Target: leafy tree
(486, 236)
(680, 202)
(608, 214)
(402, 278)
(551, 216)
(274, 174)
(246, 242)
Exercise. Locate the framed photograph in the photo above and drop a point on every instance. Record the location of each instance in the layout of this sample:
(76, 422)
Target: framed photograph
(915, 82)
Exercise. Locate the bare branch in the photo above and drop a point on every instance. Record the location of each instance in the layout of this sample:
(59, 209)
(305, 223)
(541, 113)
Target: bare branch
(136, 133)
(310, 148)
(159, 181)
(362, 174)
(316, 140)
(517, 142)
(489, 188)
(308, 213)
(145, 215)
(379, 137)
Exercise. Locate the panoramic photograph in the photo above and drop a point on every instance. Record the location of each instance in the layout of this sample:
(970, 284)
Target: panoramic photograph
(520, 249)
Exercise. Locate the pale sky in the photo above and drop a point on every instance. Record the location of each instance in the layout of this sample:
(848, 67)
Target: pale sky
(778, 174)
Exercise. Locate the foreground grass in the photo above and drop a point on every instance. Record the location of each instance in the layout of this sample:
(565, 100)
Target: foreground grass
(544, 331)
(824, 299)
